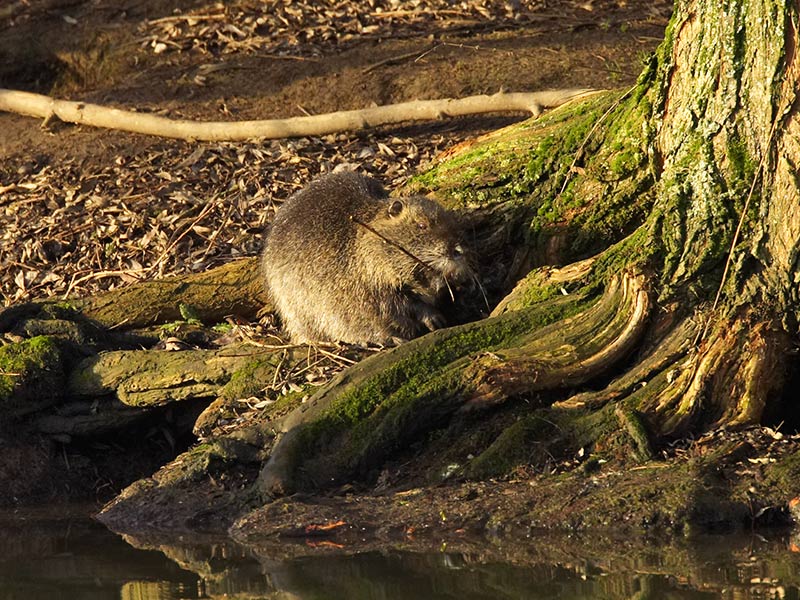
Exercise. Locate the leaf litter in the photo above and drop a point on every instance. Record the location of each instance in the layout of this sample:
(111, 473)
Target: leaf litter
(175, 208)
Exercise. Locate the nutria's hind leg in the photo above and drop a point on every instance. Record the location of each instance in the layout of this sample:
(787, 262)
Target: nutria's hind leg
(296, 324)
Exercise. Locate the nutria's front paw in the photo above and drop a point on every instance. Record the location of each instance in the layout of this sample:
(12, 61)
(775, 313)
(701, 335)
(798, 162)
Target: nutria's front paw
(431, 318)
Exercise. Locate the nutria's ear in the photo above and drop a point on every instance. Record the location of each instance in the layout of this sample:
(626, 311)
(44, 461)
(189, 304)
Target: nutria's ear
(395, 208)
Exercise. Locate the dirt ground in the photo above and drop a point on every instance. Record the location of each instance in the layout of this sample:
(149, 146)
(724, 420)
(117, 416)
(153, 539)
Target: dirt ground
(85, 209)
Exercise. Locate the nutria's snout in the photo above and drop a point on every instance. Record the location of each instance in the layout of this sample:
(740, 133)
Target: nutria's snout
(457, 267)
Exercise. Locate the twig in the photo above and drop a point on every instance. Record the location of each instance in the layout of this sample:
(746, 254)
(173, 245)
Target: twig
(393, 243)
(416, 55)
(206, 209)
(337, 358)
(175, 18)
(417, 13)
(277, 371)
(100, 275)
(212, 239)
(286, 57)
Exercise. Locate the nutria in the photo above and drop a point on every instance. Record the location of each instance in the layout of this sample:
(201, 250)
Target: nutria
(344, 262)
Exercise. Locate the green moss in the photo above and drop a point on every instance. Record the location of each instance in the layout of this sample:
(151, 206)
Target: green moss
(632, 253)
(625, 162)
(547, 436)
(534, 295)
(693, 249)
(530, 158)
(405, 377)
(580, 173)
(248, 380)
(31, 374)
(189, 313)
(66, 306)
(533, 439)
(634, 424)
(783, 476)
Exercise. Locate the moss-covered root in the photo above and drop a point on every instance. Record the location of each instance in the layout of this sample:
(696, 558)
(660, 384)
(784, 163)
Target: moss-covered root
(665, 351)
(234, 288)
(146, 378)
(381, 405)
(568, 353)
(31, 376)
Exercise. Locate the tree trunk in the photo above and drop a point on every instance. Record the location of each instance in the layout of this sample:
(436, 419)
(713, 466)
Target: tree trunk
(688, 181)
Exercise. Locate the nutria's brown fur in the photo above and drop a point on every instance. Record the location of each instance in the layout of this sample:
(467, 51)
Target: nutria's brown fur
(344, 262)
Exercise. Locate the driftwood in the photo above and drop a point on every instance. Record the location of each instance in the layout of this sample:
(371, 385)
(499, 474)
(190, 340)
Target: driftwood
(37, 105)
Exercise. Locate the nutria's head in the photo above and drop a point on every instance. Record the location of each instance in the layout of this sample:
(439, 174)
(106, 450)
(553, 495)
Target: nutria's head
(424, 241)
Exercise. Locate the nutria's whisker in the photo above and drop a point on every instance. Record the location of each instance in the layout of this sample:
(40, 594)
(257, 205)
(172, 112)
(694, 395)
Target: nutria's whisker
(483, 291)
(449, 289)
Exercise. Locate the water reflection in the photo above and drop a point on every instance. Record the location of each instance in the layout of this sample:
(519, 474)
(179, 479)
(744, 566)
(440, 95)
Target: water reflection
(70, 557)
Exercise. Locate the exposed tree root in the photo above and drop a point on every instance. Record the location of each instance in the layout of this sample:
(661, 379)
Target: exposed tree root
(663, 356)
(570, 352)
(82, 113)
(539, 278)
(232, 289)
(373, 409)
(678, 387)
(727, 380)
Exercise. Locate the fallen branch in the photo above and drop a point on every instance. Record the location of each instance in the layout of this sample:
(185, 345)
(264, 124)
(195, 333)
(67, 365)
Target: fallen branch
(82, 113)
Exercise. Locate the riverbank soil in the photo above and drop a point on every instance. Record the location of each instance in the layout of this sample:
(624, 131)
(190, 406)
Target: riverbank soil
(87, 211)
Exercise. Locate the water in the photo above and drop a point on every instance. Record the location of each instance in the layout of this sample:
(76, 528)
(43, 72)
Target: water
(63, 556)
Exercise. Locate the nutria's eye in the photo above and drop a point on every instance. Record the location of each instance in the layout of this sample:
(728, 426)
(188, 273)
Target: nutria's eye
(458, 250)
(395, 208)
(422, 226)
